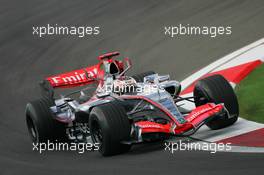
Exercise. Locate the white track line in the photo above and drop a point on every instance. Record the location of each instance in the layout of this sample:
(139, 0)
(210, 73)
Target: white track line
(248, 53)
(242, 126)
(251, 52)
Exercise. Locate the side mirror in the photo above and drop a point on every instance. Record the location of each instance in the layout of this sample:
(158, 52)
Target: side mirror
(172, 87)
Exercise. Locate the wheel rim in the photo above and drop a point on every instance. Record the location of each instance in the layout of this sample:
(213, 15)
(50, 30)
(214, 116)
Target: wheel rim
(96, 133)
(32, 129)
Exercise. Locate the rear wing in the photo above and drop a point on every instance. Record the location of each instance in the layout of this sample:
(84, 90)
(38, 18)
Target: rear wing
(74, 78)
(86, 75)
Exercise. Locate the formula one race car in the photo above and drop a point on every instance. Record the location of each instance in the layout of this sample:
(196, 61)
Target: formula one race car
(124, 110)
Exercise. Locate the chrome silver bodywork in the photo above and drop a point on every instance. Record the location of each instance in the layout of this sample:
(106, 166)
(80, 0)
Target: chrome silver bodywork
(153, 87)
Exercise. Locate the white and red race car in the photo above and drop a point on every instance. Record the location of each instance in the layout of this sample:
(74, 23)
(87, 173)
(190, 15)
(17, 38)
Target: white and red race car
(124, 110)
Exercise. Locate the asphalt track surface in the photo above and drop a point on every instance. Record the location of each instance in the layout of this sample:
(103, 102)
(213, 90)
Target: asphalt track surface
(134, 28)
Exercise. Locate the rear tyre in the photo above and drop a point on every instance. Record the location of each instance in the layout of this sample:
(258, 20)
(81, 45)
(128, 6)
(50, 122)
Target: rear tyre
(140, 77)
(109, 125)
(41, 124)
(216, 89)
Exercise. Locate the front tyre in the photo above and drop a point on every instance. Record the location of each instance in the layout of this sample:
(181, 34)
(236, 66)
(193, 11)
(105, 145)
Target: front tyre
(109, 125)
(216, 89)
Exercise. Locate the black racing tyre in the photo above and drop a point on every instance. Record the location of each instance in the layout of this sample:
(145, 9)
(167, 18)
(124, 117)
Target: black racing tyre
(41, 124)
(109, 125)
(140, 77)
(217, 89)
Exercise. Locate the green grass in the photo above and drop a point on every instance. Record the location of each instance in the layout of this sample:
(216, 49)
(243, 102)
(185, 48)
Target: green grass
(250, 94)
